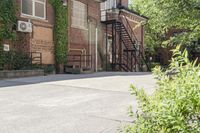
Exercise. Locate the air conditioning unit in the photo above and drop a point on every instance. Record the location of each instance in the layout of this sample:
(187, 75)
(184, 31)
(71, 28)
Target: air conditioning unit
(24, 26)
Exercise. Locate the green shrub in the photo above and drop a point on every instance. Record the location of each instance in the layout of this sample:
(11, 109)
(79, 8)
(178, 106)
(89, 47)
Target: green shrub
(1, 57)
(175, 106)
(154, 64)
(21, 60)
(14, 60)
(49, 69)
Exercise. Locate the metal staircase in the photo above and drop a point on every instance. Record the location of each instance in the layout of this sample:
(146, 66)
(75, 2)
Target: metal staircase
(127, 53)
(128, 61)
(132, 56)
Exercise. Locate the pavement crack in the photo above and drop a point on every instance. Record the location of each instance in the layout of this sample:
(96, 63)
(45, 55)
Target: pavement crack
(111, 119)
(89, 88)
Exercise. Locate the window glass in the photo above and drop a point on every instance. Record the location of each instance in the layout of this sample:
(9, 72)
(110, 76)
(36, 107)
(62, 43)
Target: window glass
(79, 14)
(27, 7)
(109, 4)
(39, 9)
(35, 8)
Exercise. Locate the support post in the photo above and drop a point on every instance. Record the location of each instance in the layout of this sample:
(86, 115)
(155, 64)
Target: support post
(90, 43)
(120, 49)
(112, 47)
(131, 61)
(115, 46)
(106, 47)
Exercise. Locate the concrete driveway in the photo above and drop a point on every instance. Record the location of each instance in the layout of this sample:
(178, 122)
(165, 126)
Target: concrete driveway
(89, 103)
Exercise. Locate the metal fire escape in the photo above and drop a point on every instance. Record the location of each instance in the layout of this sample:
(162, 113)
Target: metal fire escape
(127, 53)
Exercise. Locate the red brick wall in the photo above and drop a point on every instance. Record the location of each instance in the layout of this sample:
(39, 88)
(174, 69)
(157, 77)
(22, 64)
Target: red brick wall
(81, 40)
(41, 39)
(124, 3)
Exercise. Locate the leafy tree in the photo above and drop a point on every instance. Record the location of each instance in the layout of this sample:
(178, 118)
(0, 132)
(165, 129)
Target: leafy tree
(170, 14)
(175, 105)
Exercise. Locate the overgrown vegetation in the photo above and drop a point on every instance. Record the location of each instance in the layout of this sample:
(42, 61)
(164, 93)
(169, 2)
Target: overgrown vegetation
(175, 105)
(166, 15)
(14, 60)
(8, 21)
(61, 33)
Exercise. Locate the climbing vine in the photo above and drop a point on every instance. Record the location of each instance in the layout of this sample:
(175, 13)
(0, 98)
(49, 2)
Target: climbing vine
(8, 21)
(61, 34)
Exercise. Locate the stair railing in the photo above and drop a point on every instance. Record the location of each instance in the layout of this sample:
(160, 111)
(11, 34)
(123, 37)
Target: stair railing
(131, 34)
(134, 39)
(128, 27)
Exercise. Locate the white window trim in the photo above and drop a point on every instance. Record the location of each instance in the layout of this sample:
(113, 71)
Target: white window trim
(33, 10)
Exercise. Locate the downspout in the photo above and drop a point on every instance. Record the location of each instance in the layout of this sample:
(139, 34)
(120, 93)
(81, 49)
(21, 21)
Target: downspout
(96, 42)
(96, 60)
(90, 42)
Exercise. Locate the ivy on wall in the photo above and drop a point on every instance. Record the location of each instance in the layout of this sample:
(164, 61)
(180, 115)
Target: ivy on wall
(8, 20)
(61, 34)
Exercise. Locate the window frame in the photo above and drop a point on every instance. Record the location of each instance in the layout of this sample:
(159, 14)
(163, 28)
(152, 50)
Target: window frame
(33, 10)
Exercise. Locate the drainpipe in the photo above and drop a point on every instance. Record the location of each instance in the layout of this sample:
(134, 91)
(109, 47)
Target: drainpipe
(90, 42)
(96, 42)
(96, 50)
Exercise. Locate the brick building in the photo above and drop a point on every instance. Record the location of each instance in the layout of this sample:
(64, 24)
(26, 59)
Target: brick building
(102, 33)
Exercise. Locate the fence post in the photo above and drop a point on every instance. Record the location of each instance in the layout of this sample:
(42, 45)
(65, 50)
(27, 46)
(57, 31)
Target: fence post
(31, 60)
(40, 59)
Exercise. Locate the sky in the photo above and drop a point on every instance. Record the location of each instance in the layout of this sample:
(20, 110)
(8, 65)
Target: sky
(130, 2)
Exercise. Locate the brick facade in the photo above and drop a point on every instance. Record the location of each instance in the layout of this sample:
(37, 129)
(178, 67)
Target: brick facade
(81, 41)
(41, 39)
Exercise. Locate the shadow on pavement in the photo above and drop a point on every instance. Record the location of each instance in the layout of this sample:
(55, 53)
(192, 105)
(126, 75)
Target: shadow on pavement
(62, 77)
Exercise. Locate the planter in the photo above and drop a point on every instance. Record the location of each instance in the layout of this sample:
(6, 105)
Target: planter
(20, 73)
(60, 68)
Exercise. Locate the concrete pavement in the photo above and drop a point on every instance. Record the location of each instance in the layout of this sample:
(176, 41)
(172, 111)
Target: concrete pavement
(87, 103)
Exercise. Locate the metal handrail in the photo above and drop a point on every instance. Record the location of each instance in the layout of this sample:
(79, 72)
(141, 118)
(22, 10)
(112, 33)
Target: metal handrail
(129, 26)
(121, 17)
(80, 59)
(132, 35)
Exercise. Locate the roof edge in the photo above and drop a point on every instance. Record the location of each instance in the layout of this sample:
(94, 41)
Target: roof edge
(131, 11)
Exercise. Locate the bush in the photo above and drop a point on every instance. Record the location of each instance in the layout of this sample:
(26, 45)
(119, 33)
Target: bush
(1, 57)
(175, 105)
(21, 61)
(14, 60)
(153, 65)
(49, 69)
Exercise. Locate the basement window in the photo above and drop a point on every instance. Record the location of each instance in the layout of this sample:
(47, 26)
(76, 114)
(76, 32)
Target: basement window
(34, 8)
(79, 15)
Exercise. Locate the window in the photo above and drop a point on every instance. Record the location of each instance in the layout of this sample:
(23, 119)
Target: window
(34, 8)
(109, 4)
(79, 15)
